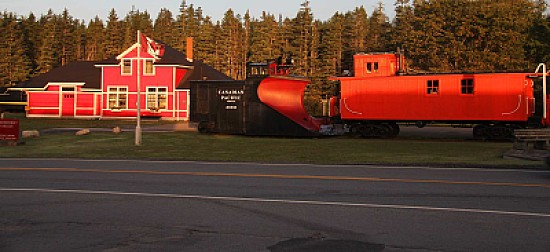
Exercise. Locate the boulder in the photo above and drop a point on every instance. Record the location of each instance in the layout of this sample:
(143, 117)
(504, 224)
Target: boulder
(30, 133)
(82, 132)
(117, 130)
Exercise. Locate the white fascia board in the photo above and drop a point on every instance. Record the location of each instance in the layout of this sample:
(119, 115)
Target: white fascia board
(64, 84)
(120, 56)
(180, 66)
(25, 89)
(91, 90)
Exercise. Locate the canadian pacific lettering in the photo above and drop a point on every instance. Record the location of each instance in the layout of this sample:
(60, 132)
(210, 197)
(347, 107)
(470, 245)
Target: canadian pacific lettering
(230, 96)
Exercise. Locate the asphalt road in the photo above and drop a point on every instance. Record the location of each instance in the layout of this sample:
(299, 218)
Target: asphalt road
(79, 205)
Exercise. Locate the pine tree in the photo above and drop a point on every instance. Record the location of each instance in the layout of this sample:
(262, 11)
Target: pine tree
(94, 40)
(31, 31)
(402, 24)
(80, 40)
(66, 38)
(219, 61)
(333, 44)
(264, 39)
(245, 51)
(181, 26)
(198, 33)
(379, 30)
(165, 28)
(15, 66)
(232, 40)
(49, 55)
(355, 36)
(209, 40)
(422, 44)
(359, 27)
(189, 24)
(315, 62)
(438, 35)
(113, 35)
(136, 20)
(538, 46)
(302, 29)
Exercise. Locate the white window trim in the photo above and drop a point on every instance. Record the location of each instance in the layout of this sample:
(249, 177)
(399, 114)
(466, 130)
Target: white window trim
(122, 67)
(156, 93)
(118, 93)
(145, 67)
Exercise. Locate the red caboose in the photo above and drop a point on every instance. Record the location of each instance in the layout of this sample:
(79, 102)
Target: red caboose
(380, 95)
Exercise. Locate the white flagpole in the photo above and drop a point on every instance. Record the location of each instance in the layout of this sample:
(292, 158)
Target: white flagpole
(138, 104)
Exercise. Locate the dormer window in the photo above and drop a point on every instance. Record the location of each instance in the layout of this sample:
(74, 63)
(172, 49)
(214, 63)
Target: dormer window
(369, 67)
(372, 67)
(126, 66)
(148, 67)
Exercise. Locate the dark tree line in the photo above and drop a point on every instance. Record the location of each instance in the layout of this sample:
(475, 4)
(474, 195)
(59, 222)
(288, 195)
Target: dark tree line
(438, 35)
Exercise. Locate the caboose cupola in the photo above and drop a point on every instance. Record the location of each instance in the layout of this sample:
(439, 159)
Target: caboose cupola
(377, 64)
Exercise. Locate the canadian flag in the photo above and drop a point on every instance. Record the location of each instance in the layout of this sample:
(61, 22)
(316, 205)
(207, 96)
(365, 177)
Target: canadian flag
(152, 47)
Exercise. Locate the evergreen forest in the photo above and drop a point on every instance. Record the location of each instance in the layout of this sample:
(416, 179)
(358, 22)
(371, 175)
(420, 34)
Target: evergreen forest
(436, 35)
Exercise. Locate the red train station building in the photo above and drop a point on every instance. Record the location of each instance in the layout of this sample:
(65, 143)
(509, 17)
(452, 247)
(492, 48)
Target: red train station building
(109, 89)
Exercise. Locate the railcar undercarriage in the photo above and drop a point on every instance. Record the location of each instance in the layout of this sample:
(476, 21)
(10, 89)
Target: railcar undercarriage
(495, 131)
(481, 131)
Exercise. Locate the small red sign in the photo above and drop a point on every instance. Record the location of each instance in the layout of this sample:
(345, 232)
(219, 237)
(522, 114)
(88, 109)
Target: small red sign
(9, 129)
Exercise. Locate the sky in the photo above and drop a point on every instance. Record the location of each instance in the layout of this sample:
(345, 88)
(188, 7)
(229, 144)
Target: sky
(87, 10)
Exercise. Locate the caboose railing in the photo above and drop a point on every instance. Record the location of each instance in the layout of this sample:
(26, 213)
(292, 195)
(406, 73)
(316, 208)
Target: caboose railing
(544, 75)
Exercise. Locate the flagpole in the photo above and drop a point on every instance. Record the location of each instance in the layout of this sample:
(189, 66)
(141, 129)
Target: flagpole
(138, 118)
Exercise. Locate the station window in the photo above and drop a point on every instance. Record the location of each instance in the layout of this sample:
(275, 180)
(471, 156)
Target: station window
(157, 98)
(467, 86)
(126, 66)
(67, 89)
(69, 92)
(432, 87)
(148, 67)
(117, 97)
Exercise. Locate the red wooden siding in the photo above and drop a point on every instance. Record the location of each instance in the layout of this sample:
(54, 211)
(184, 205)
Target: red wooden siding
(400, 97)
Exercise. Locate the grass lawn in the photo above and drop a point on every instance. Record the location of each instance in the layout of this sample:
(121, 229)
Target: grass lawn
(194, 146)
(46, 123)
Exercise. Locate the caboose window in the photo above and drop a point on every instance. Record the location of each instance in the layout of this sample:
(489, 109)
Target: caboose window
(467, 86)
(376, 67)
(369, 67)
(432, 87)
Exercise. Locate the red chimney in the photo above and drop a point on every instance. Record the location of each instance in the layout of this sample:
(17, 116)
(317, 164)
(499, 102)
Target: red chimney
(189, 49)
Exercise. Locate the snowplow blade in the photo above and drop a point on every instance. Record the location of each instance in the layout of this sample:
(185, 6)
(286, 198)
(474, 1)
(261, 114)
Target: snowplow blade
(286, 96)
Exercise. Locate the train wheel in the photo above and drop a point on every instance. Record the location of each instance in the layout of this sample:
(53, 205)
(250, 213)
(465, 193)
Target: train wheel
(493, 132)
(365, 130)
(503, 132)
(203, 127)
(479, 132)
(394, 129)
(372, 130)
